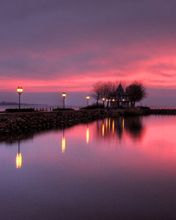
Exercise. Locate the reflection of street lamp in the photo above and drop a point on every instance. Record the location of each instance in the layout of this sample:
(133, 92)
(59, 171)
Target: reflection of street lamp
(87, 99)
(64, 96)
(103, 129)
(19, 158)
(19, 91)
(123, 123)
(87, 135)
(113, 126)
(63, 143)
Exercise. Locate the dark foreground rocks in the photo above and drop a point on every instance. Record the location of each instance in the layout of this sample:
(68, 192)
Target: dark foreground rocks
(21, 125)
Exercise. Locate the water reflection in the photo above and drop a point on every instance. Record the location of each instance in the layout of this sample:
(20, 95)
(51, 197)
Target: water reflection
(87, 135)
(134, 127)
(19, 157)
(63, 142)
(109, 127)
(104, 179)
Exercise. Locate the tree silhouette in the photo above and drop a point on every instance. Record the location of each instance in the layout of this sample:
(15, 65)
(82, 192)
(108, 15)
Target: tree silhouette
(135, 93)
(104, 90)
(97, 91)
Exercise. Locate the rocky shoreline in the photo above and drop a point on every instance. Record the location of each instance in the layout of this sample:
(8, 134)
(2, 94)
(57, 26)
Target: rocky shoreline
(19, 125)
(23, 124)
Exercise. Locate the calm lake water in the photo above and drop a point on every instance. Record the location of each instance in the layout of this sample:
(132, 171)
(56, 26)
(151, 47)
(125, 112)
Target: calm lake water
(108, 169)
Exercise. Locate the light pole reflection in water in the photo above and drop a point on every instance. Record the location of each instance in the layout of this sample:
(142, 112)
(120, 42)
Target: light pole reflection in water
(19, 158)
(117, 127)
(103, 129)
(63, 142)
(87, 135)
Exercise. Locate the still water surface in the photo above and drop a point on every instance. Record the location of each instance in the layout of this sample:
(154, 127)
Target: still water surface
(108, 169)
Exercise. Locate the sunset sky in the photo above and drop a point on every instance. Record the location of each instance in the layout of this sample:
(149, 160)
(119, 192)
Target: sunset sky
(67, 45)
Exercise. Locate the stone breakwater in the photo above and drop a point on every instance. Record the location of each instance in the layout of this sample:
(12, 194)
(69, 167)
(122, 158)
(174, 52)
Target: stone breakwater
(163, 111)
(25, 124)
(14, 125)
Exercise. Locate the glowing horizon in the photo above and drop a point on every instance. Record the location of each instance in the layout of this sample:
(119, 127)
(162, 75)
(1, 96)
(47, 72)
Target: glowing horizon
(60, 46)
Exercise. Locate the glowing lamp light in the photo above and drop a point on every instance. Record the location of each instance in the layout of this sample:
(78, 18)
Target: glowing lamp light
(87, 99)
(19, 160)
(19, 89)
(64, 94)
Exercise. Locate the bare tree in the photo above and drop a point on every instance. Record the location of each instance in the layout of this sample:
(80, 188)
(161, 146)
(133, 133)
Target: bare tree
(104, 90)
(97, 91)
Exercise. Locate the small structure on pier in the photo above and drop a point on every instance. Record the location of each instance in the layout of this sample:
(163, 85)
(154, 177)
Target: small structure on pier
(121, 99)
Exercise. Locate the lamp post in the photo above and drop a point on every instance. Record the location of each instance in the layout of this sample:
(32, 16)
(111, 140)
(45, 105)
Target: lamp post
(63, 98)
(87, 100)
(103, 99)
(19, 91)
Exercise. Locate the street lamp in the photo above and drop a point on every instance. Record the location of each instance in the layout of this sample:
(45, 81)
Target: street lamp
(87, 99)
(63, 97)
(103, 99)
(19, 91)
